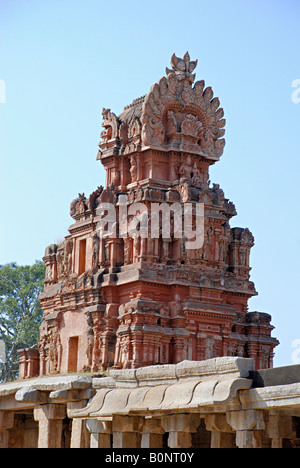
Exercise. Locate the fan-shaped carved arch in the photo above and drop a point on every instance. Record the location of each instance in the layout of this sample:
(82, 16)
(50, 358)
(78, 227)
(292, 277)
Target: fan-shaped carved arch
(179, 116)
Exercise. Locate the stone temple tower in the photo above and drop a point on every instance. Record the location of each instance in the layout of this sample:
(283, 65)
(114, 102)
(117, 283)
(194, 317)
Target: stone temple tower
(121, 293)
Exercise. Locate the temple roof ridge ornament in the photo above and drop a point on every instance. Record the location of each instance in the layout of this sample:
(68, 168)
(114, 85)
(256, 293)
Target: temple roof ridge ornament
(183, 66)
(175, 115)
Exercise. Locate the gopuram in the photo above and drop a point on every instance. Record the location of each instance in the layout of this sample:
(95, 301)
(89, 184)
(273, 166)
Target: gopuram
(126, 289)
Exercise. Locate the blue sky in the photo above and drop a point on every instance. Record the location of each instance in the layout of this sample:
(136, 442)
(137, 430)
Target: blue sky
(63, 60)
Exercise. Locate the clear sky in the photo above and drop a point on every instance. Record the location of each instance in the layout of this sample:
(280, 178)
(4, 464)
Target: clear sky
(62, 61)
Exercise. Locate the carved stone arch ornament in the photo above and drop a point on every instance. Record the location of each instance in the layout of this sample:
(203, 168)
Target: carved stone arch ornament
(111, 125)
(178, 115)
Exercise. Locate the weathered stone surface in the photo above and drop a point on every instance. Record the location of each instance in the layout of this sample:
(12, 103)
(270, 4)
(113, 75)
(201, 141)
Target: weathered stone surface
(150, 416)
(67, 382)
(156, 375)
(227, 366)
(104, 382)
(272, 397)
(30, 395)
(226, 390)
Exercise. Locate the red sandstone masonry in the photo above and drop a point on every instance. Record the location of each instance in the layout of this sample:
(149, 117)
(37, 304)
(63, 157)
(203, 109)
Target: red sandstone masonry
(132, 302)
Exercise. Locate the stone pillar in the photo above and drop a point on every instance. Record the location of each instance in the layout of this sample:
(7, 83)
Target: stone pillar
(178, 349)
(126, 431)
(6, 423)
(22, 363)
(33, 363)
(180, 427)
(279, 427)
(100, 430)
(50, 419)
(248, 425)
(80, 437)
(221, 432)
(152, 436)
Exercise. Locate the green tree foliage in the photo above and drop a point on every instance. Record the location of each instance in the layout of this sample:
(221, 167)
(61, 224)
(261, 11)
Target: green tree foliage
(20, 312)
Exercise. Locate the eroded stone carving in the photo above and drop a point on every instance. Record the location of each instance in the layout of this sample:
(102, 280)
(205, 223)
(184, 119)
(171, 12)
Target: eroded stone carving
(187, 115)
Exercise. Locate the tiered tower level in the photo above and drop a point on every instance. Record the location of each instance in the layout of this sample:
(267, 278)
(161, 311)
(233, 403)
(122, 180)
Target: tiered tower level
(131, 301)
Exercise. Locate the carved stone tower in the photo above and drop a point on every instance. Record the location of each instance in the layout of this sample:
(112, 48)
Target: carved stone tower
(128, 301)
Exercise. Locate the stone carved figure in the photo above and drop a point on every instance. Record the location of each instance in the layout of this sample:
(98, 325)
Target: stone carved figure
(186, 169)
(192, 126)
(90, 342)
(185, 191)
(68, 251)
(94, 199)
(133, 169)
(78, 206)
(218, 195)
(223, 242)
(110, 125)
(60, 263)
(208, 242)
(196, 177)
(171, 124)
(54, 346)
(153, 132)
(128, 250)
(96, 250)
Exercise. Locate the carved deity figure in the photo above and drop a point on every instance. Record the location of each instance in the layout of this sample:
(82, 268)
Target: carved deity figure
(97, 344)
(171, 123)
(223, 242)
(128, 250)
(207, 143)
(54, 343)
(68, 256)
(96, 250)
(192, 126)
(153, 132)
(133, 169)
(186, 169)
(196, 178)
(60, 263)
